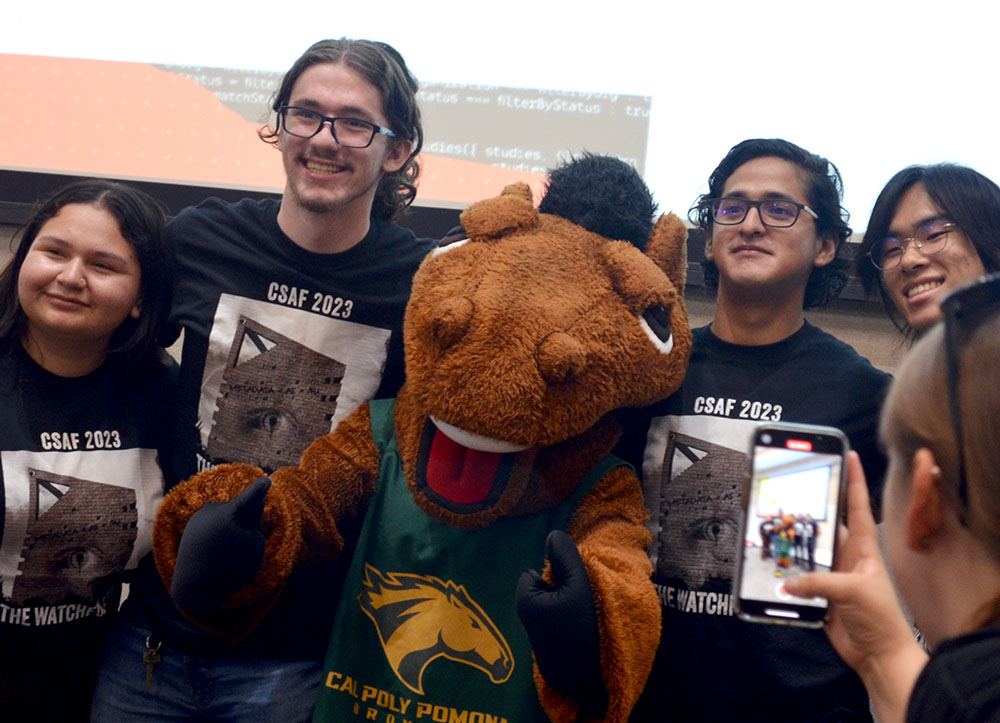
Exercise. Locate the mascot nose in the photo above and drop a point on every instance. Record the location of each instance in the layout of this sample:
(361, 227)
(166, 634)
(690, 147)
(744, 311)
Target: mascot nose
(451, 320)
(561, 358)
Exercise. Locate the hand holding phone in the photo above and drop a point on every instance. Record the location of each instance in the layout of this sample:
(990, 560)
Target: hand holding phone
(793, 503)
(865, 620)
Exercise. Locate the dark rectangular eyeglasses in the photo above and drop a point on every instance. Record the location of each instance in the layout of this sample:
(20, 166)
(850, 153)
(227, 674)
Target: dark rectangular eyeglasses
(348, 132)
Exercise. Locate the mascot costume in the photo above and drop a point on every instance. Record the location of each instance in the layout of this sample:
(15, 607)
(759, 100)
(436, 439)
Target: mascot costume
(493, 462)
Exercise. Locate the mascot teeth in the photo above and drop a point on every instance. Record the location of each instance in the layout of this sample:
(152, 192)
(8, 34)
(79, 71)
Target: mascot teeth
(476, 441)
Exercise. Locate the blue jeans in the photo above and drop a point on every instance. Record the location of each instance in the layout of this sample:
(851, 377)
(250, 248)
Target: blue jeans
(188, 688)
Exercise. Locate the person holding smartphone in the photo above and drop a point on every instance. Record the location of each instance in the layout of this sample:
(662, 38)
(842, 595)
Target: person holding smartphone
(932, 228)
(774, 222)
(942, 525)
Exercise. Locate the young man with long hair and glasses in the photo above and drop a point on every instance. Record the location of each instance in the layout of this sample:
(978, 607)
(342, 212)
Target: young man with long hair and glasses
(932, 229)
(292, 313)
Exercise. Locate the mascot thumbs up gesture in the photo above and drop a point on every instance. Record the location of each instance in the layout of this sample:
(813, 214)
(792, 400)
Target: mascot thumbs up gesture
(501, 571)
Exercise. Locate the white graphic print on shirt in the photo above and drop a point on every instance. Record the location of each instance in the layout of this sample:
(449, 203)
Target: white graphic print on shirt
(276, 378)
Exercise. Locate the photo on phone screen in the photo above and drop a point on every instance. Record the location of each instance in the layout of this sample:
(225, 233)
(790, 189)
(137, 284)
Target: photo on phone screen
(792, 507)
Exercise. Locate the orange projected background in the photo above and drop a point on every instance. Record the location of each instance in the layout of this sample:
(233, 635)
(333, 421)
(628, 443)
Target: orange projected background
(198, 126)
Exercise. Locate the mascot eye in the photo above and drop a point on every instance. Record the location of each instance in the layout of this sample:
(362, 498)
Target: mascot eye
(448, 245)
(655, 321)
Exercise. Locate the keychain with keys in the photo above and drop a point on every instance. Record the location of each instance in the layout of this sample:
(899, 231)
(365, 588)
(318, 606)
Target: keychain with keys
(151, 657)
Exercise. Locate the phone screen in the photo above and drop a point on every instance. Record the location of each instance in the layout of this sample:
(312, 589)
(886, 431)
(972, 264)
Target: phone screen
(790, 520)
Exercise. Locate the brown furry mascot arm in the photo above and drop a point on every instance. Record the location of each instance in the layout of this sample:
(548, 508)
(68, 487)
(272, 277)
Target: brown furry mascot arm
(609, 530)
(335, 479)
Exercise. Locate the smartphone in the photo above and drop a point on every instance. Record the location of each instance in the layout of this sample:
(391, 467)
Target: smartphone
(793, 501)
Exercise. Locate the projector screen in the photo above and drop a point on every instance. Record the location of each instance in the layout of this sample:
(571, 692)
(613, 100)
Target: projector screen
(175, 92)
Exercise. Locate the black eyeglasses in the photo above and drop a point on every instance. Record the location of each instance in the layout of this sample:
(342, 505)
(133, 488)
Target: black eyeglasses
(777, 213)
(929, 239)
(348, 132)
(963, 310)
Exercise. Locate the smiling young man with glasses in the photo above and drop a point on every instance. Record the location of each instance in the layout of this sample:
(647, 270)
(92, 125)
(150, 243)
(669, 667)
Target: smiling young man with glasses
(292, 314)
(774, 223)
(932, 229)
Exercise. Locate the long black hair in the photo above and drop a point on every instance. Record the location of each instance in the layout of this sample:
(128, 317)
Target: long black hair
(141, 220)
(965, 196)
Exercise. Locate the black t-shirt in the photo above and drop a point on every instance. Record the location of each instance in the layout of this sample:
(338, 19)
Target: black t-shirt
(80, 481)
(961, 683)
(280, 344)
(692, 450)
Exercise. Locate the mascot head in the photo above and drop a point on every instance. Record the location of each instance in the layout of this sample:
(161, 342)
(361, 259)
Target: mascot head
(545, 320)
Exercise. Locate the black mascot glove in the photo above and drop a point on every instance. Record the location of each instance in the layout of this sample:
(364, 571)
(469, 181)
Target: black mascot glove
(562, 625)
(220, 552)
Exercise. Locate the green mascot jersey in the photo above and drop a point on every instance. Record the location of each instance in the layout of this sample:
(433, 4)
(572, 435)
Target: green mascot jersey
(426, 628)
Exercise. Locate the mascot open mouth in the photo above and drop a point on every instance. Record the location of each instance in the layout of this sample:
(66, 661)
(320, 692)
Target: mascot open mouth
(462, 471)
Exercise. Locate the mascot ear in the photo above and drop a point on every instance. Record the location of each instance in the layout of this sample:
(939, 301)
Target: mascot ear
(511, 211)
(668, 248)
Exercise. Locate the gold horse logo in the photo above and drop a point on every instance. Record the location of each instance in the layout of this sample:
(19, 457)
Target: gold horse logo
(420, 618)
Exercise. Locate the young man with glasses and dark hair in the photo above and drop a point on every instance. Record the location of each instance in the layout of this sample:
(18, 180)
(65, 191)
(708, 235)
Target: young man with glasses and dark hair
(292, 314)
(385, 71)
(774, 222)
(932, 228)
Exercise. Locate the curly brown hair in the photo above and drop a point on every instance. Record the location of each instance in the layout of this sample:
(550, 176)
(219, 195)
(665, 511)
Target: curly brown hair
(382, 66)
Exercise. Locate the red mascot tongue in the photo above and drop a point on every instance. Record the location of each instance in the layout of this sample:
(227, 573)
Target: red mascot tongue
(460, 474)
